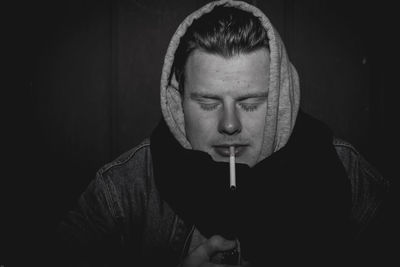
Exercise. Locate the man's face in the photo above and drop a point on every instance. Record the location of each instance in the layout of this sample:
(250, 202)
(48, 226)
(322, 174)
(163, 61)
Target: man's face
(225, 103)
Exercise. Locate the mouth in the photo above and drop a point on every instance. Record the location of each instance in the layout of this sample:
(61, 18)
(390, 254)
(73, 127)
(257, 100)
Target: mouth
(223, 150)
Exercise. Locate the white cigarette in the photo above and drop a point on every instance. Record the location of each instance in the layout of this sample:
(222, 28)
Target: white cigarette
(232, 177)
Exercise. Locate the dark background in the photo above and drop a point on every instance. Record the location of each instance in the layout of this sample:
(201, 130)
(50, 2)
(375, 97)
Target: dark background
(83, 87)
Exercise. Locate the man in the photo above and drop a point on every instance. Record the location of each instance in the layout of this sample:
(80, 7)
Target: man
(227, 82)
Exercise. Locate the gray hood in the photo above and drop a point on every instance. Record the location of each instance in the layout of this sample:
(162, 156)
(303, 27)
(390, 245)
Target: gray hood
(284, 90)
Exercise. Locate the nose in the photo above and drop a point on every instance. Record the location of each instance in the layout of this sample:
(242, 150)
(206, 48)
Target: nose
(229, 123)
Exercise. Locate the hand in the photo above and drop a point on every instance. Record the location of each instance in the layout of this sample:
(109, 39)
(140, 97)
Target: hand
(200, 256)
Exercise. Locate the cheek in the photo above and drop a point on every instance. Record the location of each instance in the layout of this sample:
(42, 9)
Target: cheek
(199, 126)
(253, 123)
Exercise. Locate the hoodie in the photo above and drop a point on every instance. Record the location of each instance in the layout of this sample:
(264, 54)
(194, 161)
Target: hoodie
(283, 91)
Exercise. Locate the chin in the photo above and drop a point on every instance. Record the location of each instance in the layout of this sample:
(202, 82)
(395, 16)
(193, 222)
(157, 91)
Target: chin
(218, 158)
(248, 162)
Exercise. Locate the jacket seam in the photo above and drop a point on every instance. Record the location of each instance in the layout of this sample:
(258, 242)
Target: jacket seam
(109, 199)
(121, 161)
(340, 143)
(186, 244)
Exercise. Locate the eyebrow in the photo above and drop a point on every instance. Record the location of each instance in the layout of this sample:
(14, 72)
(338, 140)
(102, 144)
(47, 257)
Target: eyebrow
(197, 95)
(253, 95)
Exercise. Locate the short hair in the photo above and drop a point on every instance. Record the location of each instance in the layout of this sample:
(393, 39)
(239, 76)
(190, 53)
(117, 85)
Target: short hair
(225, 31)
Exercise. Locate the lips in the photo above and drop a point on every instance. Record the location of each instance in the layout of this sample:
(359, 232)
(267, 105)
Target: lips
(223, 150)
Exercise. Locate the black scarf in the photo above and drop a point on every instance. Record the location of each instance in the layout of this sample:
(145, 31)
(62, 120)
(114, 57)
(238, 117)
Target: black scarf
(293, 205)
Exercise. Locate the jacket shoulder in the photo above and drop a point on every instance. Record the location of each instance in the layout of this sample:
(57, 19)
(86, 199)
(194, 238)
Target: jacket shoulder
(137, 154)
(129, 175)
(368, 186)
(351, 158)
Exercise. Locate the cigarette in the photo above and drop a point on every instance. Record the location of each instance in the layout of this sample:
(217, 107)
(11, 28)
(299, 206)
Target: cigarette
(232, 171)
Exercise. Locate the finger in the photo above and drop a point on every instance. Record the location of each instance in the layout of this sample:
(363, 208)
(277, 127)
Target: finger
(202, 254)
(217, 243)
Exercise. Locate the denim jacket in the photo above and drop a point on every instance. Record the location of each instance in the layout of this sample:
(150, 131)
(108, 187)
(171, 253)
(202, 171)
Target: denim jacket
(122, 206)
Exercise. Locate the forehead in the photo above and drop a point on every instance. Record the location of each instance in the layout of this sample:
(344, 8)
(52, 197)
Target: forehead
(244, 73)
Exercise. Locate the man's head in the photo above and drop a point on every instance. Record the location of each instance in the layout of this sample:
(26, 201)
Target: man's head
(222, 66)
(225, 31)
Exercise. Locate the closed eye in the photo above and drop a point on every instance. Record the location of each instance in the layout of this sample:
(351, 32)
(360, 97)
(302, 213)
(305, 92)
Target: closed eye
(208, 103)
(249, 107)
(252, 103)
